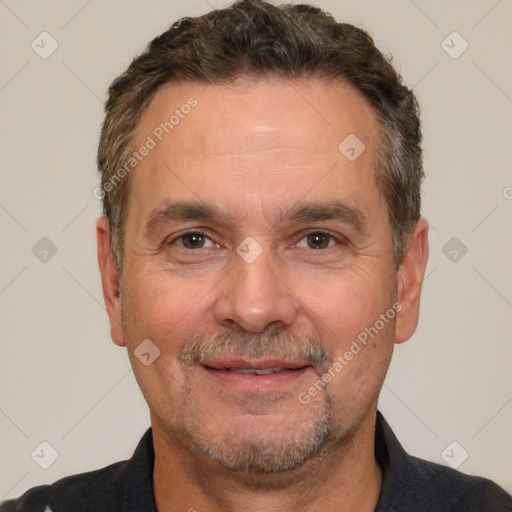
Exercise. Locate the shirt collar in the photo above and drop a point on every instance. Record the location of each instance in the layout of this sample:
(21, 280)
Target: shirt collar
(136, 488)
(394, 463)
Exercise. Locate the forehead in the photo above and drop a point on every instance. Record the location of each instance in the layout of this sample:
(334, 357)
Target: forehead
(274, 110)
(272, 137)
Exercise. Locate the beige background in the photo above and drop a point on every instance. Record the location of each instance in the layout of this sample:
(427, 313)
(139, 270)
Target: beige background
(61, 378)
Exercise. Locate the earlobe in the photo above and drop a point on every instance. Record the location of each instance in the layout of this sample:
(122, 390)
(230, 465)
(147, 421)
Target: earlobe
(110, 280)
(410, 280)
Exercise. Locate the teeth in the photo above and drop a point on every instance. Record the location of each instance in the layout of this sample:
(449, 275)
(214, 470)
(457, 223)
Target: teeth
(256, 371)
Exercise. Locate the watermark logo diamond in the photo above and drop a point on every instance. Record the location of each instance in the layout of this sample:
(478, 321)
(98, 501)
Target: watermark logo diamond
(146, 352)
(44, 250)
(352, 147)
(44, 45)
(454, 250)
(454, 45)
(249, 249)
(44, 455)
(454, 455)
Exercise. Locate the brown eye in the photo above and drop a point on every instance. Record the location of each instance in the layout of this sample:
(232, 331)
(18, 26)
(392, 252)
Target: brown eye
(194, 240)
(318, 240)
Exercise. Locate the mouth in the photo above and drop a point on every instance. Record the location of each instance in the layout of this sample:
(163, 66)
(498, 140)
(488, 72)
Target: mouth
(256, 375)
(256, 371)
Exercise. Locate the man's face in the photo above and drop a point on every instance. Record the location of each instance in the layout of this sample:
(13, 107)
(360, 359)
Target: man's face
(256, 252)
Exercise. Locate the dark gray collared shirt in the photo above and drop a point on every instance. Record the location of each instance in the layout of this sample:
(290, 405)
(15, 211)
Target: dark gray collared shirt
(409, 485)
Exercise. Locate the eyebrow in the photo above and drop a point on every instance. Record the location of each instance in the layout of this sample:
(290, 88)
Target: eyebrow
(181, 211)
(176, 211)
(332, 210)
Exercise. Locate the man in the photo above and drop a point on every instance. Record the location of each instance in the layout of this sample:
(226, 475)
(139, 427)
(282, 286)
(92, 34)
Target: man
(261, 252)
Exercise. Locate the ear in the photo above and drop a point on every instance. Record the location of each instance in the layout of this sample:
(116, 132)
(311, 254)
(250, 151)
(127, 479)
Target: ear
(110, 281)
(410, 280)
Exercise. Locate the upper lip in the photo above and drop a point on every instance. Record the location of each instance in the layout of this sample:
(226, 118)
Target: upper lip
(256, 364)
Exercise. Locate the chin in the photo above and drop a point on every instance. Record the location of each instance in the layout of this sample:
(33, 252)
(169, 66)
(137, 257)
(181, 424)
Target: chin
(262, 443)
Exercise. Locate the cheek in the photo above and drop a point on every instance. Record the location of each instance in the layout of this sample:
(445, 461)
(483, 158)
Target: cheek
(348, 318)
(348, 303)
(164, 309)
(347, 314)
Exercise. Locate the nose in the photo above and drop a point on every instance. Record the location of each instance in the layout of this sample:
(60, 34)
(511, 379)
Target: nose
(253, 297)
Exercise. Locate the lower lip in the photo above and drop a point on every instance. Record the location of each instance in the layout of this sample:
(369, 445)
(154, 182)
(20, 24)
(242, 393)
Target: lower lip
(252, 383)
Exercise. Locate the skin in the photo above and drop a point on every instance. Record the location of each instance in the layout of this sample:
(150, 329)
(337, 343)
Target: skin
(254, 149)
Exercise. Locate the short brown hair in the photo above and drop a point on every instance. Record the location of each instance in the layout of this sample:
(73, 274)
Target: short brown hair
(255, 38)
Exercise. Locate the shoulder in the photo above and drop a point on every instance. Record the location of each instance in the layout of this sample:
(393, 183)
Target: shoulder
(125, 486)
(84, 491)
(447, 489)
(410, 483)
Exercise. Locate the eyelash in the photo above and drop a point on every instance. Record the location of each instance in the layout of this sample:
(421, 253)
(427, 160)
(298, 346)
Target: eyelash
(198, 231)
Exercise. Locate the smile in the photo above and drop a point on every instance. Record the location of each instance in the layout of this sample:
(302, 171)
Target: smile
(256, 376)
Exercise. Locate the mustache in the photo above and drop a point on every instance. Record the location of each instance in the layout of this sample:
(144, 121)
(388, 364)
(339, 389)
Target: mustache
(284, 345)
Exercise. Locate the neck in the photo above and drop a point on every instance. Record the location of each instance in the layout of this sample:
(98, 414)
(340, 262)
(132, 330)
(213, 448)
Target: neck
(343, 477)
